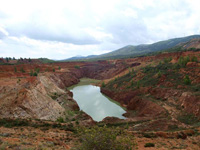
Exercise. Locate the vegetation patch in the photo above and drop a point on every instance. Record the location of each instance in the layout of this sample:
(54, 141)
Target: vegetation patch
(103, 138)
(10, 123)
(189, 119)
(149, 145)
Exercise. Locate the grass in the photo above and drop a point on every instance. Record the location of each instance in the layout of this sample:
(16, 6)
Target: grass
(10, 123)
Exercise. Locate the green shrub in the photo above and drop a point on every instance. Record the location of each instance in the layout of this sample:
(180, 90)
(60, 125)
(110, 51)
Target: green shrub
(59, 67)
(149, 135)
(31, 73)
(149, 145)
(194, 59)
(103, 84)
(103, 138)
(60, 119)
(182, 61)
(138, 84)
(15, 69)
(53, 69)
(187, 80)
(77, 67)
(167, 60)
(22, 70)
(35, 74)
(37, 70)
(189, 119)
(159, 74)
(132, 84)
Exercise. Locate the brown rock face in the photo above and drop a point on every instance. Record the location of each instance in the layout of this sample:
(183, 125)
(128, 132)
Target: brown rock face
(190, 103)
(130, 99)
(32, 101)
(145, 108)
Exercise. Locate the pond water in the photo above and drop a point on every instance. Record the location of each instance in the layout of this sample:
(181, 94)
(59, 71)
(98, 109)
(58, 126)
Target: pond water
(95, 104)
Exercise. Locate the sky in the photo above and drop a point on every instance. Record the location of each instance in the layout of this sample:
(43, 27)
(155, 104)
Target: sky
(59, 29)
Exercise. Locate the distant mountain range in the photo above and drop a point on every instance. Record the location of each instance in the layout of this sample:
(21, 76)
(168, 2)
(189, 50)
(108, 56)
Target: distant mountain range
(131, 51)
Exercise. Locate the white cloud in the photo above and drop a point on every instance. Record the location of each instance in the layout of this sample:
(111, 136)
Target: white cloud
(130, 13)
(64, 28)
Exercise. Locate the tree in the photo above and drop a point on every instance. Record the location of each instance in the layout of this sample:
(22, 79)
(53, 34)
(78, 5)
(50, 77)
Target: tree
(194, 59)
(15, 69)
(37, 70)
(187, 80)
(103, 84)
(159, 74)
(77, 67)
(31, 73)
(138, 84)
(22, 70)
(35, 74)
(132, 83)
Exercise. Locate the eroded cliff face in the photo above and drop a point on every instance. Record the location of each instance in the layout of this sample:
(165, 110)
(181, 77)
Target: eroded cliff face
(132, 101)
(31, 100)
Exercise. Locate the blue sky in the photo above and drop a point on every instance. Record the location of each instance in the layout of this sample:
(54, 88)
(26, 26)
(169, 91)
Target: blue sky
(59, 29)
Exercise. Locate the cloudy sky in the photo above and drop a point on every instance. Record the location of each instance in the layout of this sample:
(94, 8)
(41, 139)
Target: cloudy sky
(59, 29)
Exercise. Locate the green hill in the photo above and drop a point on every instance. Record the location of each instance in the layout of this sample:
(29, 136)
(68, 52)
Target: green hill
(143, 49)
(146, 48)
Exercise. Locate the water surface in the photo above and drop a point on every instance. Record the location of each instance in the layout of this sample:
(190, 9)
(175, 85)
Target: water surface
(95, 104)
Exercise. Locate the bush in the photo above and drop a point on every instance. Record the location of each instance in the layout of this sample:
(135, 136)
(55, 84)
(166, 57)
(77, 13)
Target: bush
(103, 138)
(132, 84)
(35, 74)
(167, 60)
(194, 59)
(182, 61)
(138, 84)
(53, 69)
(77, 67)
(15, 69)
(59, 68)
(22, 70)
(189, 119)
(159, 74)
(31, 73)
(60, 119)
(149, 145)
(103, 84)
(37, 70)
(187, 80)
